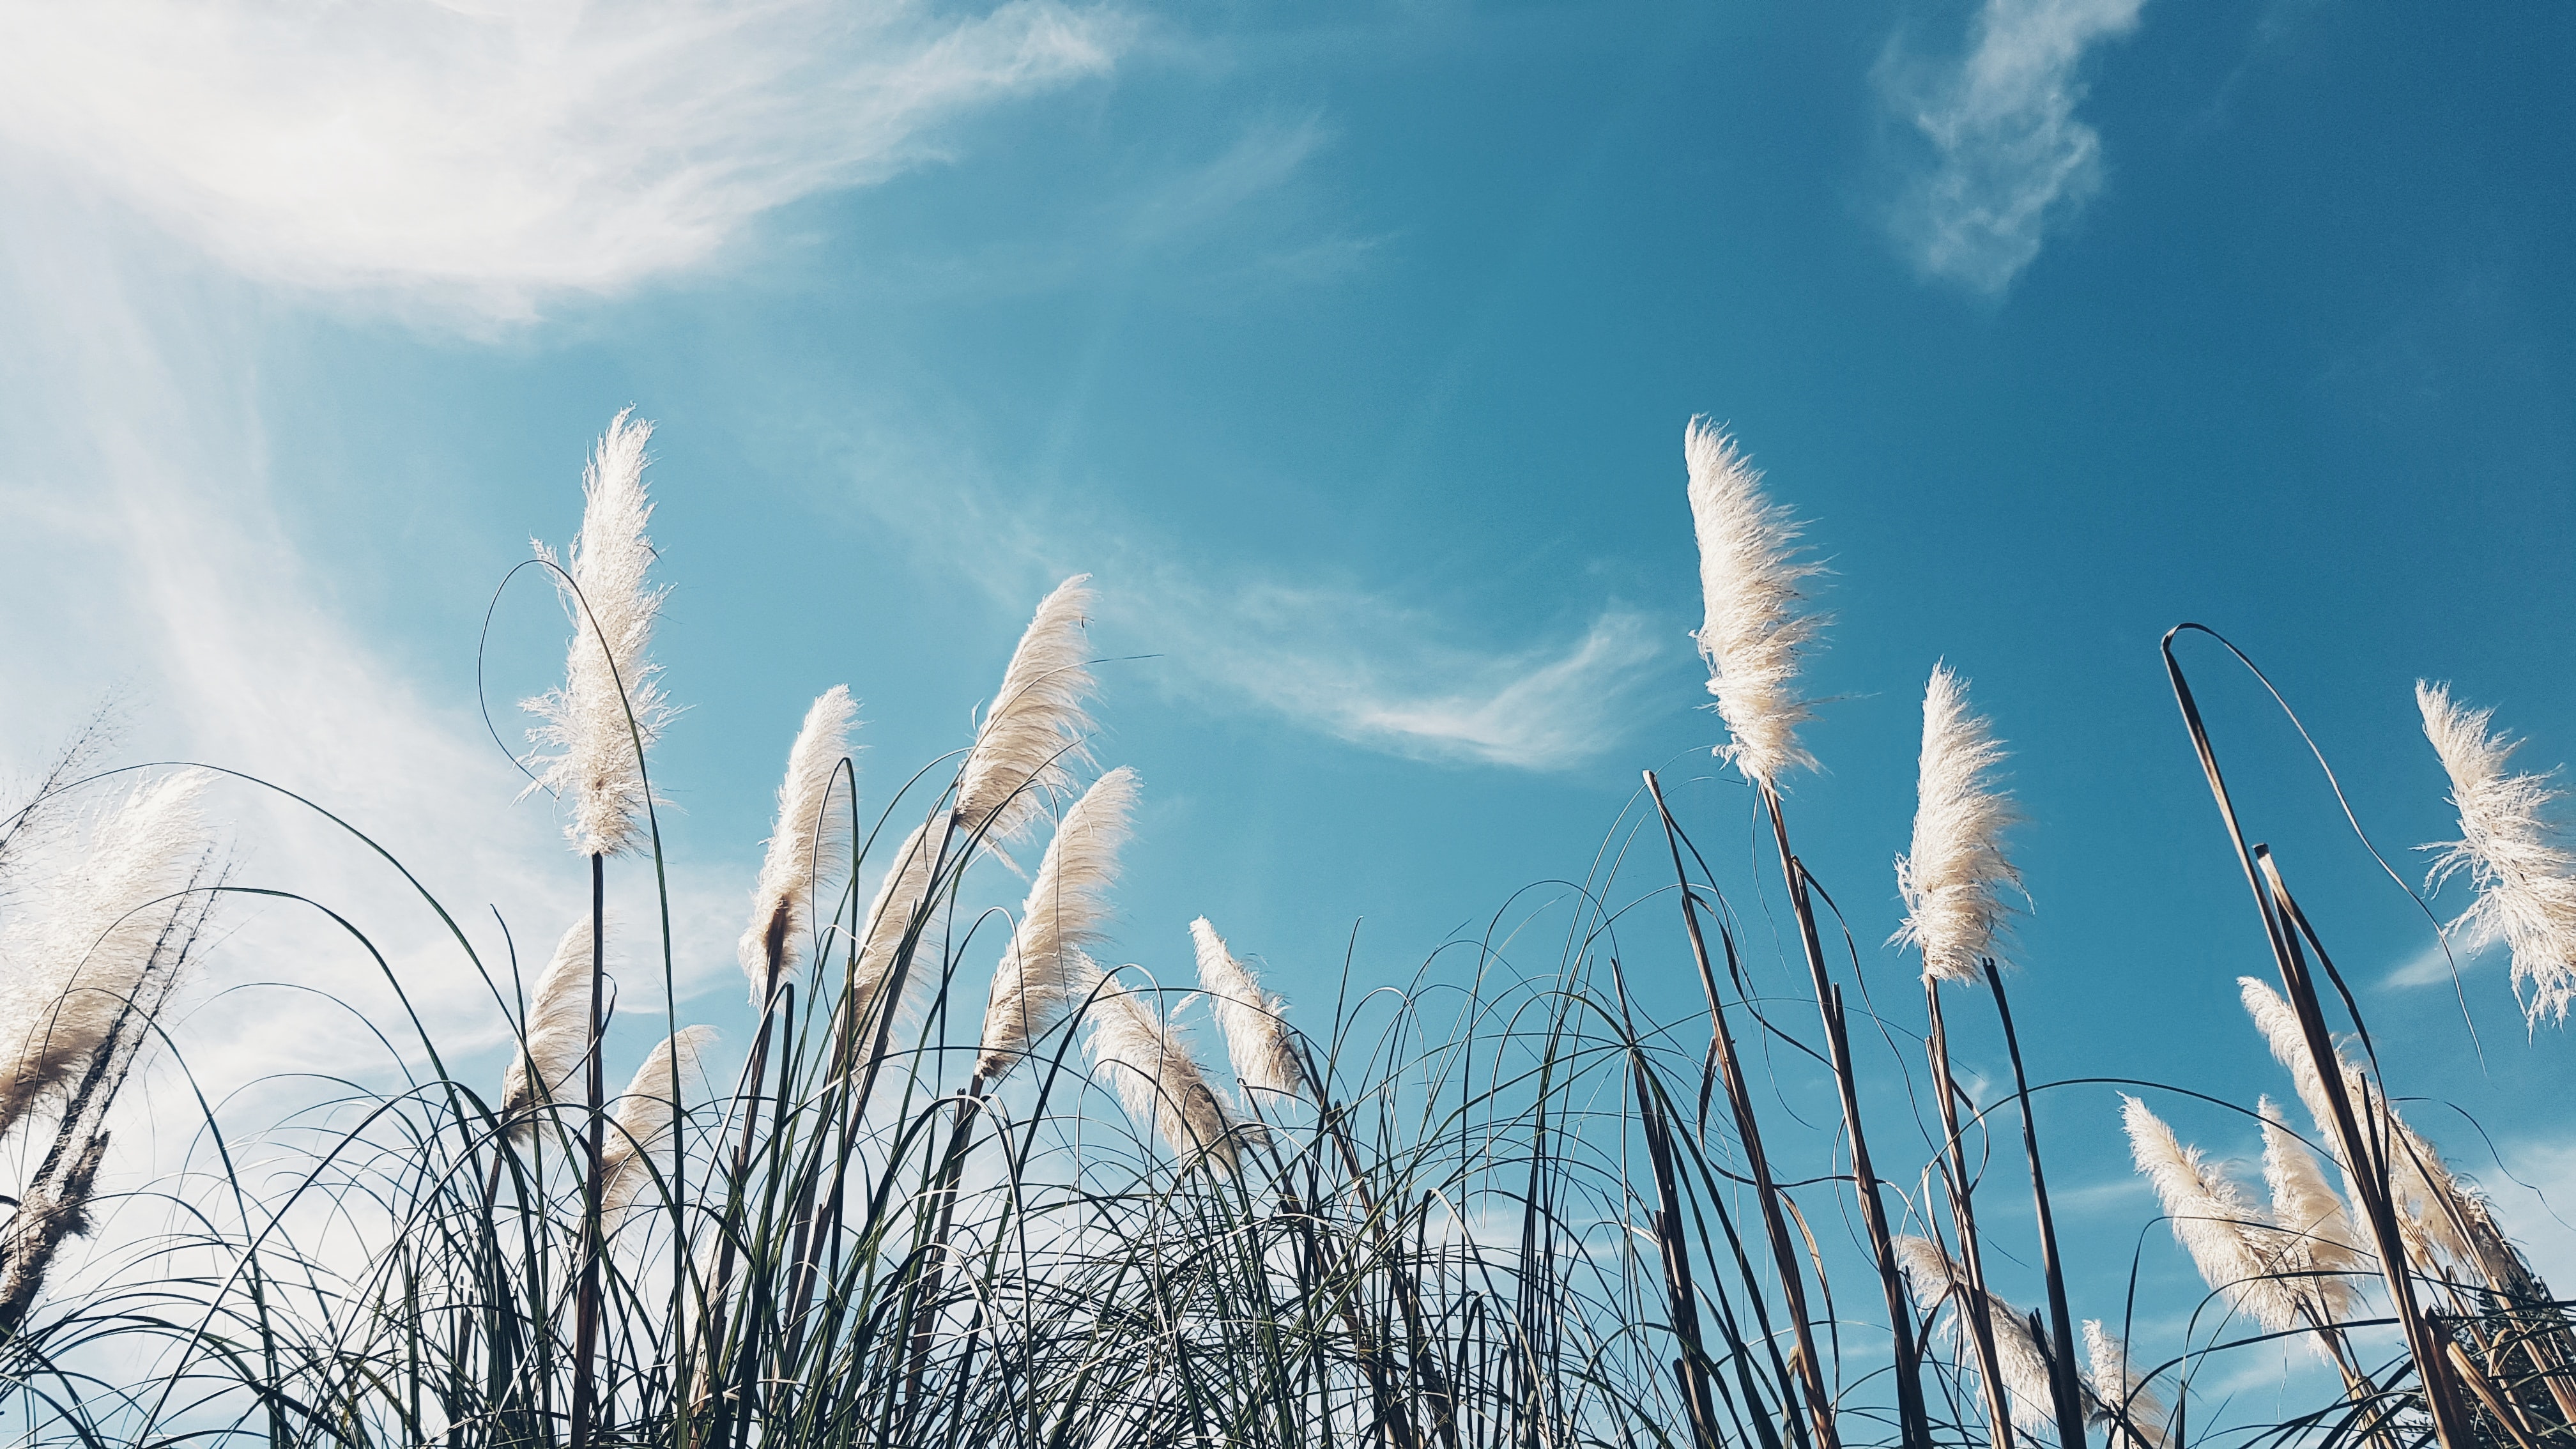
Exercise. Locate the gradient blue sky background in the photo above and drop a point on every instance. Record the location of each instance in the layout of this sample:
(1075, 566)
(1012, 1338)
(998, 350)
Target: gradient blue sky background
(1350, 347)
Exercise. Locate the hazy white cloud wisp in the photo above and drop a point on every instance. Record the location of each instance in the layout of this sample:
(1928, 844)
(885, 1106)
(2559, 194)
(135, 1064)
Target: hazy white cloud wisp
(478, 158)
(2009, 156)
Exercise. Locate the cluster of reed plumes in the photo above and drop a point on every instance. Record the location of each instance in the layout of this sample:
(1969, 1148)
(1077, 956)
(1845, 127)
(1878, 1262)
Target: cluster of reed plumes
(974, 1187)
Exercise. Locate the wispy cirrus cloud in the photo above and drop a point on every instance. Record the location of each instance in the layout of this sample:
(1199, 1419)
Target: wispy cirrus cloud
(2008, 157)
(473, 160)
(1353, 664)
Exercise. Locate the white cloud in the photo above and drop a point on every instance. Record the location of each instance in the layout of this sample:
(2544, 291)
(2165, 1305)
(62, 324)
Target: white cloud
(480, 158)
(1338, 655)
(1358, 668)
(2010, 158)
(145, 550)
(2432, 966)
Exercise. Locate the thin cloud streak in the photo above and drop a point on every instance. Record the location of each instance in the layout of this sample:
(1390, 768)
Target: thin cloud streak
(1336, 656)
(2010, 159)
(1545, 707)
(470, 163)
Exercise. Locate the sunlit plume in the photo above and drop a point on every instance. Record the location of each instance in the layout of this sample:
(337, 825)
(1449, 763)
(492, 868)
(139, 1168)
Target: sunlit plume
(610, 707)
(1956, 881)
(557, 1031)
(2131, 1413)
(2226, 1236)
(1933, 1277)
(2315, 1245)
(1257, 1040)
(93, 941)
(2511, 851)
(1755, 625)
(1032, 735)
(1158, 1079)
(645, 1112)
(1042, 973)
(812, 827)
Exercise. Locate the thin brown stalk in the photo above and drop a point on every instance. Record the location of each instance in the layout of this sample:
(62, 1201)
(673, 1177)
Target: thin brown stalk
(1748, 1132)
(2369, 1169)
(2061, 1367)
(1914, 1424)
(1963, 1215)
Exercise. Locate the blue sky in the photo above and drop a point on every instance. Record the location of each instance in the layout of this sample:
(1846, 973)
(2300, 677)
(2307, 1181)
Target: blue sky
(1350, 347)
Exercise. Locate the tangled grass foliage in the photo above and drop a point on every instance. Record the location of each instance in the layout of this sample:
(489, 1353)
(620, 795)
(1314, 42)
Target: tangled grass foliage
(972, 1188)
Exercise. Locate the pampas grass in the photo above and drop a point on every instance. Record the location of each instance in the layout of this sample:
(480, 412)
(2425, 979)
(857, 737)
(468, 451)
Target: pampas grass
(2019, 1356)
(1503, 1205)
(1159, 1081)
(1033, 733)
(2513, 854)
(2131, 1412)
(1257, 1043)
(556, 1033)
(88, 947)
(610, 707)
(802, 844)
(1956, 879)
(2210, 1218)
(646, 1112)
(2315, 1249)
(1045, 973)
(1753, 627)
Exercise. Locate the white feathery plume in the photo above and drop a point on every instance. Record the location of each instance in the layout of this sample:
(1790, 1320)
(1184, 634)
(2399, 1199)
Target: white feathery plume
(2423, 1191)
(88, 943)
(2315, 1234)
(2224, 1234)
(808, 832)
(1159, 1081)
(599, 772)
(2018, 1354)
(1753, 629)
(557, 1031)
(2516, 857)
(1954, 881)
(2132, 1412)
(1041, 974)
(1032, 733)
(899, 896)
(1255, 1024)
(645, 1112)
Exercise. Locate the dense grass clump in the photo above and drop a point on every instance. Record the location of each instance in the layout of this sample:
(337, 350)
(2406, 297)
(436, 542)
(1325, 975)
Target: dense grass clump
(972, 1189)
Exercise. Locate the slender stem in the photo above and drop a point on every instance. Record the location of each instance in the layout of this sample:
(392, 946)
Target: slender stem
(2061, 1325)
(1913, 1422)
(1748, 1132)
(586, 1305)
(1963, 1215)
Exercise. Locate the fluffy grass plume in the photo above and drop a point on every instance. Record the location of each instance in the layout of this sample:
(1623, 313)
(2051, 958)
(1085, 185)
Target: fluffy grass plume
(1043, 972)
(2316, 1243)
(1254, 1022)
(1159, 1081)
(87, 943)
(1754, 627)
(807, 833)
(2426, 1196)
(899, 897)
(2524, 873)
(2018, 1355)
(1035, 727)
(2223, 1233)
(1955, 878)
(557, 1030)
(2132, 1412)
(645, 1112)
(596, 767)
